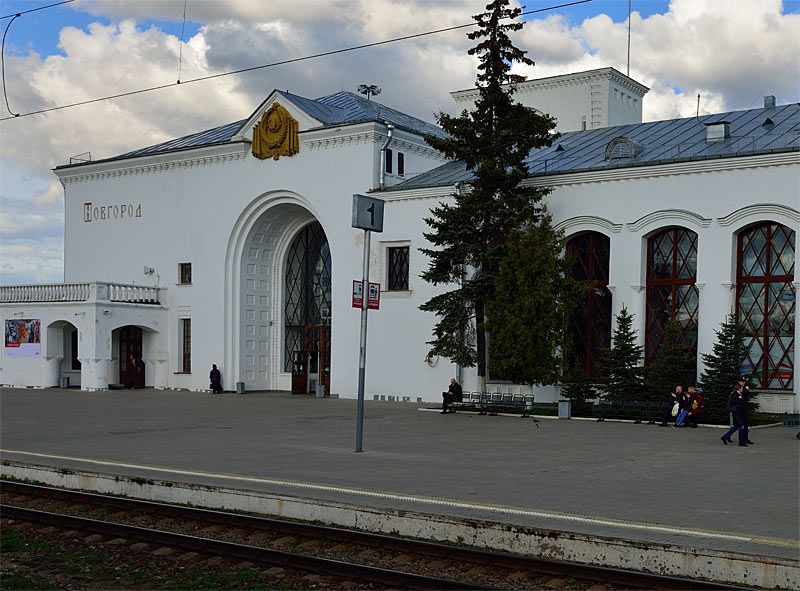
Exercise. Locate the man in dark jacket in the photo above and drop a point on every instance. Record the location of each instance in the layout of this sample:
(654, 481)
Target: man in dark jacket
(216, 379)
(746, 395)
(453, 394)
(675, 396)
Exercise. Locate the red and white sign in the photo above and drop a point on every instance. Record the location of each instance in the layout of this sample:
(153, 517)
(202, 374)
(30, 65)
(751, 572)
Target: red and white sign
(373, 295)
(358, 294)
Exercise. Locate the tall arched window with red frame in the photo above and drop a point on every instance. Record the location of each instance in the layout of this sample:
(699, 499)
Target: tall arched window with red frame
(671, 290)
(766, 303)
(590, 324)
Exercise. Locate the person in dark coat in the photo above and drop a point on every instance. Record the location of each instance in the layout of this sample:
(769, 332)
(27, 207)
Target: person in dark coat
(135, 373)
(746, 391)
(675, 396)
(737, 403)
(696, 405)
(216, 379)
(453, 394)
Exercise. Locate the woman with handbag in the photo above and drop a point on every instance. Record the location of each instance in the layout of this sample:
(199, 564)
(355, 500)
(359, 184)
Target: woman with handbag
(737, 404)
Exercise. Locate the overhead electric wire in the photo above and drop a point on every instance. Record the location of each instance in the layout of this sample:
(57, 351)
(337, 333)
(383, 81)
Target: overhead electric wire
(180, 45)
(35, 9)
(273, 64)
(3, 64)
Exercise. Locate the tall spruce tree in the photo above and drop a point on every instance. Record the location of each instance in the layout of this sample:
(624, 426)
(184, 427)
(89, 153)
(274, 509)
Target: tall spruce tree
(534, 298)
(621, 364)
(673, 367)
(493, 141)
(722, 367)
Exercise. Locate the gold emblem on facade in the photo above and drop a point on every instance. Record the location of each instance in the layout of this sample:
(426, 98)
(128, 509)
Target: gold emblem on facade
(275, 135)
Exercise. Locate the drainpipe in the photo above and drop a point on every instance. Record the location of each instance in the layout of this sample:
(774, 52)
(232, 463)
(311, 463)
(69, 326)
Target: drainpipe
(459, 369)
(382, 175)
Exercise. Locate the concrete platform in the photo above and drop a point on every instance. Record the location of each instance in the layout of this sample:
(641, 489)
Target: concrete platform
(592, 485)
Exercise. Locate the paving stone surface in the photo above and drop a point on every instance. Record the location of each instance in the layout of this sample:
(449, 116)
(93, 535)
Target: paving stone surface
(683, 478)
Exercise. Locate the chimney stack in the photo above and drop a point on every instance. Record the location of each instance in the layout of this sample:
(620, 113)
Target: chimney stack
(769, 102)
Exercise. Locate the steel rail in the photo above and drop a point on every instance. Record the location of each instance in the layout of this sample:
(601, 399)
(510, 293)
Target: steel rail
(504, 560)
(394, 579)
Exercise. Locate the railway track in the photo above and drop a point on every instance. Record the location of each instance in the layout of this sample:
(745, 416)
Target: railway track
(474, 569)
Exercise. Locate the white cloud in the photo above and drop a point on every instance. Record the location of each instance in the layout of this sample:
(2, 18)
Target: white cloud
(731, 57)
(50, 196)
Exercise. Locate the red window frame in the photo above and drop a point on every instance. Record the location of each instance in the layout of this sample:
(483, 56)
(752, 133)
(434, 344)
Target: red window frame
(185, 273)
(590, 324)
(671, 290)
(187, 345)
(767, 322)
(397, 279)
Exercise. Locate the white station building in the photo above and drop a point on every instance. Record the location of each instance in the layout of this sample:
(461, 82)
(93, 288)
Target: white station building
(234, 246)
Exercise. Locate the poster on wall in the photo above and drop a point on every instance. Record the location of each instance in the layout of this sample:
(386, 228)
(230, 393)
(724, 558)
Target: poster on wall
(23, 338)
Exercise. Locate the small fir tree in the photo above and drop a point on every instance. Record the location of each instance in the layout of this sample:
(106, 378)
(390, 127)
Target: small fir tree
(579, 390)
(673, 367)
(534, 296)
(722, 367)
(493, 140)
(621, 364)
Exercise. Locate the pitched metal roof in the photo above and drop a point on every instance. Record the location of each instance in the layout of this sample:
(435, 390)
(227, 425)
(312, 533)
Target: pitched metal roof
(342, 108)
(209, 137)
(755, 131)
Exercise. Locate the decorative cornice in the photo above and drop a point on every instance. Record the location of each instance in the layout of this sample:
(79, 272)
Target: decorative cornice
(759, 210)
(638, 288)
(155, 167)
(588, 220)
(565, 80)
(341, 141)
(672, 215)
(660, 170)
(728, 286)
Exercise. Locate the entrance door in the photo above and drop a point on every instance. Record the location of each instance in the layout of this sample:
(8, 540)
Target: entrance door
(299, 372)
(131, 367)
(317, 341)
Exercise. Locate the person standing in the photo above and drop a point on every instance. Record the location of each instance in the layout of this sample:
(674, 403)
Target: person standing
(746, 391)
(216, 379)
(453, 394)
(737, 404)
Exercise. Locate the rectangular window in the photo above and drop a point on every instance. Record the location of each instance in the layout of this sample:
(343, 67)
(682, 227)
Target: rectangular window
(76, 365)
(398, 268)
(185, 272)
(388, 161)
(401, 163)
(186, 366)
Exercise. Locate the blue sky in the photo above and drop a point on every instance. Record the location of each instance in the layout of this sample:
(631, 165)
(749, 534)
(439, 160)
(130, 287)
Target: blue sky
(94, 48)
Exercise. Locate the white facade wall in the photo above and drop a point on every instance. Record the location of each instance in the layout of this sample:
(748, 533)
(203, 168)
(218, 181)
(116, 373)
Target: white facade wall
(222, 210)
(716, 199)
(584, 100)
(199, 207)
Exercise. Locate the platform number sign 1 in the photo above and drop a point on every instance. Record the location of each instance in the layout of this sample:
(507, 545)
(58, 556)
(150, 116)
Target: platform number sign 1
(367, 213)
(368, 216)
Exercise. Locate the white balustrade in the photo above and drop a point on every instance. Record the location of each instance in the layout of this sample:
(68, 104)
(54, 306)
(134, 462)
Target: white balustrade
(80, 292)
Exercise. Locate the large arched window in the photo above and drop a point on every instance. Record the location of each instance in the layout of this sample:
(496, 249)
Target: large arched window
(671, 290)
(590, 324)
(765, 303)
(308, 288)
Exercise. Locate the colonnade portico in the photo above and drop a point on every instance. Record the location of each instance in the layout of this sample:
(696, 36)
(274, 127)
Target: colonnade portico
(97, 311)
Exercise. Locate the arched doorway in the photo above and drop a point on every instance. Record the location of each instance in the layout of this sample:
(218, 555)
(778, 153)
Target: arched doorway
(307, 310)
(131, 365)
